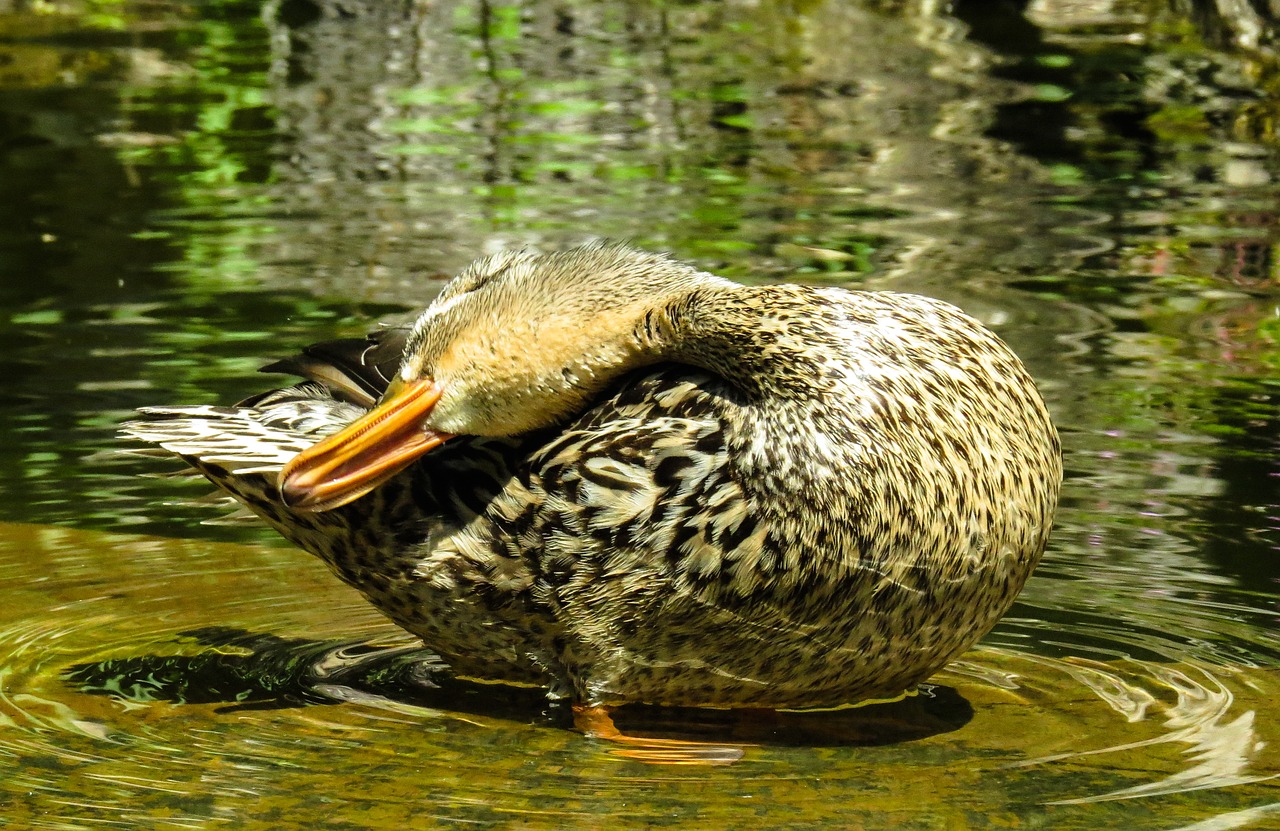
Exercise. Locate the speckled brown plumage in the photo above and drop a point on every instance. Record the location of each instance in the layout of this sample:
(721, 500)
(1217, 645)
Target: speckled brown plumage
(670, 488)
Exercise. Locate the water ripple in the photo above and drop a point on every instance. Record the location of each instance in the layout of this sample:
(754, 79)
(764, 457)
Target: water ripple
(178, 698)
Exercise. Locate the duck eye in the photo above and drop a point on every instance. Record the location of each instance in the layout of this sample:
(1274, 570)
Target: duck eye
(474, 280)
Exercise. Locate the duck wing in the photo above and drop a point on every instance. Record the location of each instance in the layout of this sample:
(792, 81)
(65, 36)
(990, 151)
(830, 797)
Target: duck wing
(355, 370)
(593, 559)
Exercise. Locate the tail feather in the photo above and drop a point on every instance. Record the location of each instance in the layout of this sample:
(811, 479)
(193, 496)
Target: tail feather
(239, 516)
(241, 440)
(242, 449)
(222, 436)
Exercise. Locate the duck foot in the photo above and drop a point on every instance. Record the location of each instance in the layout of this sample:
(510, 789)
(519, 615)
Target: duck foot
(596, 723)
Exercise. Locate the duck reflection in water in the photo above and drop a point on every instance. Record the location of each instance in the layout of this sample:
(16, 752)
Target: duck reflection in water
(252, 671)
(626, 481)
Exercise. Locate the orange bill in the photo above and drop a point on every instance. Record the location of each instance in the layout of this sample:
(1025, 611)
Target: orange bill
(365, 453)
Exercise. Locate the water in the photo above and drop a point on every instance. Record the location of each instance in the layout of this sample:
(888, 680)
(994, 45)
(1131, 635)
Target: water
(187, 191)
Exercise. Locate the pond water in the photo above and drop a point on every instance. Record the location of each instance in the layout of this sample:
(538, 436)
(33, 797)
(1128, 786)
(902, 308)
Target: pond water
(189, 190)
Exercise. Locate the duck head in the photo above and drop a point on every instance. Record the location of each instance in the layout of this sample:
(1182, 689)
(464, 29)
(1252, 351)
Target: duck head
(517, 342)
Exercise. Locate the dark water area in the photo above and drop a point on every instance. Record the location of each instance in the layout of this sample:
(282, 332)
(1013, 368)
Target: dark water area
(190, 190)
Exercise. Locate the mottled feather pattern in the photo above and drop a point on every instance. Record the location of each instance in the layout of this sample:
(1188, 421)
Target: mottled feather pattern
(805, 496)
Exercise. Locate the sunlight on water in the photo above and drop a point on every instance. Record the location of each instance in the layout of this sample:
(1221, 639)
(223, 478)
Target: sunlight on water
(1224, 754)
(207, 704)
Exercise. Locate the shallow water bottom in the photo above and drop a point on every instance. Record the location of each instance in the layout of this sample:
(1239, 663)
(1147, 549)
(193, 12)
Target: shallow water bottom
(208, 683)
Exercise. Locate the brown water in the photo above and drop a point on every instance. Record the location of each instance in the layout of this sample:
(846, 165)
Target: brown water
(189, 190)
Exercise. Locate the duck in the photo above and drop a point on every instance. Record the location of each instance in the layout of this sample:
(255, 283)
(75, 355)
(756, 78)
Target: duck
(608, 473)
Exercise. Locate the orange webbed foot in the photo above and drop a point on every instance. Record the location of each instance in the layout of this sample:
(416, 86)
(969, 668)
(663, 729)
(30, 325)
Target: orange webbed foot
(596, 723)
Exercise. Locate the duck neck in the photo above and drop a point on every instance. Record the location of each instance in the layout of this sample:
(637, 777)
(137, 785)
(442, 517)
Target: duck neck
(782, 430)
(750, 336)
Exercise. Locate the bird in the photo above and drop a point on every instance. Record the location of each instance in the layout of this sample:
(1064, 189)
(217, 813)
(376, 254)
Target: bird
(608, 473)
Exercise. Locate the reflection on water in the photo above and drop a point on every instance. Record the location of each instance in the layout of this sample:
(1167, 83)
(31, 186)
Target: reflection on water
(243, 670)
(232, 722)
(187, 191)
(1224, 754)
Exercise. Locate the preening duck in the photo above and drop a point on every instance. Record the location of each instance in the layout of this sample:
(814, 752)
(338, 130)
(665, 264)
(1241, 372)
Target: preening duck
(611, 474)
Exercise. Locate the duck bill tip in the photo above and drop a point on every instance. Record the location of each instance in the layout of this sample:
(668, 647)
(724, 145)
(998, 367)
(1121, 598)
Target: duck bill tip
(361, 456)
